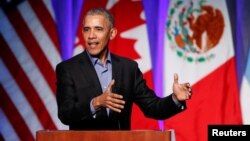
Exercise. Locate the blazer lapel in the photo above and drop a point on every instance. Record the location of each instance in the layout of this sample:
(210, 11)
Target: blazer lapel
(116, 75)
(89, 72)
(116, 70)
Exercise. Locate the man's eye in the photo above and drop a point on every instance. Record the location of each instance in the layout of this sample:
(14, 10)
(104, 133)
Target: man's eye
(99, 29)
(85, 29)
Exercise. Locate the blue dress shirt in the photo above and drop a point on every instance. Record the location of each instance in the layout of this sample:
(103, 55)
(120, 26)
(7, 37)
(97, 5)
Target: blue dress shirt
(104, 73)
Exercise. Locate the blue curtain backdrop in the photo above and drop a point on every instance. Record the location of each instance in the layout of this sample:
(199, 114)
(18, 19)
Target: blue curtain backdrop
(67, 14)
(242, 36)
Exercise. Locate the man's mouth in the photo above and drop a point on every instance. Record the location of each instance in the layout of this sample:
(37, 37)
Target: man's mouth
(93, 44)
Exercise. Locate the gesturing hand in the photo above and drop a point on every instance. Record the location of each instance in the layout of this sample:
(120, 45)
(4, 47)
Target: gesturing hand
(181, 91)
(109, 100)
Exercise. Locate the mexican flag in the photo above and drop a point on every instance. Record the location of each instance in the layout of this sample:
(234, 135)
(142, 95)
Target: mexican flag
(199, 48)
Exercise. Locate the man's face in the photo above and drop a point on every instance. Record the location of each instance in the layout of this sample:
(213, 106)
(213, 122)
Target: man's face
(97, 33)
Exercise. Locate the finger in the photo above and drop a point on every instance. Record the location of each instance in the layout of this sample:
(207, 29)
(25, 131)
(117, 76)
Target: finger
(122, 102)
(175, 78)
(109, 88)
(113, 95)
(187, 85)
(184, 86)
(115, 98)
(115, 107)
(190, 90)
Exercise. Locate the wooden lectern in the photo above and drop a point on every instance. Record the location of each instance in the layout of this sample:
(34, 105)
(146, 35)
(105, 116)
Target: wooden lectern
(136, 135)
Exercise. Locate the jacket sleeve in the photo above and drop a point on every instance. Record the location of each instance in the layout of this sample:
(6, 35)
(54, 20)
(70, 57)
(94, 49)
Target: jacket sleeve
(152, 105)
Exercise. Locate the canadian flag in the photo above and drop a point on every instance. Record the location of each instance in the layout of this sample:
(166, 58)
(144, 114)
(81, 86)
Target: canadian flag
(199, 47)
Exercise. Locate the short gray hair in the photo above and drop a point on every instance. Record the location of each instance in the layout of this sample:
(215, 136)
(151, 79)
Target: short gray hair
(104, 12)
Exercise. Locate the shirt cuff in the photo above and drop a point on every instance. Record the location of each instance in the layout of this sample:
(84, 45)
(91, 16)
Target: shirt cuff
(177, 103)
(92, 109)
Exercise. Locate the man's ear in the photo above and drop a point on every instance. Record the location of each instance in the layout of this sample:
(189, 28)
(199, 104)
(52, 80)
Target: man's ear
(113, 33)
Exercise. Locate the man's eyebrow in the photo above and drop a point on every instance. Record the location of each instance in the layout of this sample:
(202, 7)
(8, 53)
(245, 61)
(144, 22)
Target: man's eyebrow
(98, 27)
(94, 27)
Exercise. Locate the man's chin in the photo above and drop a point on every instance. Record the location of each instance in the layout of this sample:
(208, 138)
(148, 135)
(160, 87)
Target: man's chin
(94, 53)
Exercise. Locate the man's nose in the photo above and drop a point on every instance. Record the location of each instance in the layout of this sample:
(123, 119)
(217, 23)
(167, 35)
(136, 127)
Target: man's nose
(92, 34)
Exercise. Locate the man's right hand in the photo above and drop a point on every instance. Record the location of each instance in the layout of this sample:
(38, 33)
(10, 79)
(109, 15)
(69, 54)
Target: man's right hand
(109, 100)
